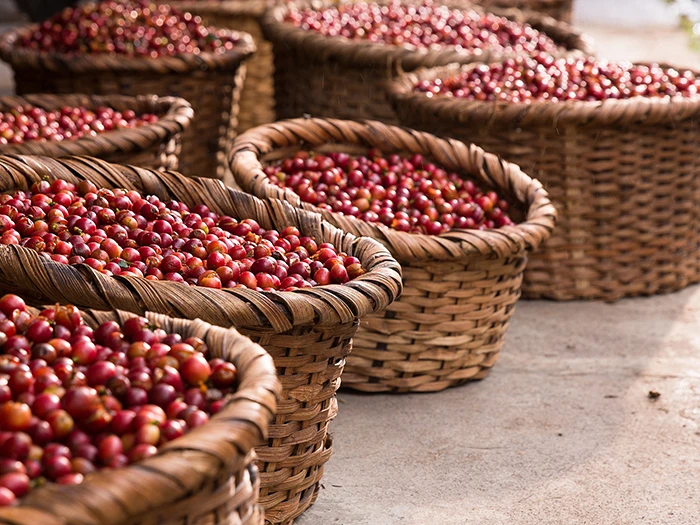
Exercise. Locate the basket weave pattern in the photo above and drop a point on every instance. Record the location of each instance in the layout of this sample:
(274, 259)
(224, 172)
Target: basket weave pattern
(460, 288)
(559, 9)
(623, 175)
(307, 332)
(257, 102)
(207, 477)
(154, 146)
(341, 78)
(211, 83)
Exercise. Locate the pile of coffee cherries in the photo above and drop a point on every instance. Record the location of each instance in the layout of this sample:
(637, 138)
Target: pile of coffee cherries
(423, 25)
(542, 77)
(408, 194)
(139, 28)
(74, 400)
(118, 232)
(30, 123)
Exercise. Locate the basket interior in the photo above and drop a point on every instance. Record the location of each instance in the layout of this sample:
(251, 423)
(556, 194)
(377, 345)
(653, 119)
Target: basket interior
(517, 210)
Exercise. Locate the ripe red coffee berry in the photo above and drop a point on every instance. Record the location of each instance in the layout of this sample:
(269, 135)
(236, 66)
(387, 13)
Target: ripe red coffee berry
(137, 28)
(408, 194)
(73, 429)
(543, 78)
(7, 497)
(116, 232)
(428, 25)
(27, 123)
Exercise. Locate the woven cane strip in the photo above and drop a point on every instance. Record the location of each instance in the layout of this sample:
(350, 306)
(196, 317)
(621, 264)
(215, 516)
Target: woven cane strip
(206, 477)
(155, 145)
(308, 332)
(622, 173)
(460, 288)
(257, 104)
(337, 77)
(210, 82)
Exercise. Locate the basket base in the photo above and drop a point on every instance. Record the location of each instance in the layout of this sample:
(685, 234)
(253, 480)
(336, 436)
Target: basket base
(445, 330)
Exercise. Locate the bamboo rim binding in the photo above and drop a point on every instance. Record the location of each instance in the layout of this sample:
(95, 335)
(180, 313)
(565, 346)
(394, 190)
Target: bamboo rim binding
(286, 136)
(208, 471)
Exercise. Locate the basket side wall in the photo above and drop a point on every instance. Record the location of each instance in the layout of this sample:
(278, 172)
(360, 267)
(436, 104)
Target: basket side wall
(629, 221)
(559, 9)
(257, 101)
(305, 84)
(446, 329)
(161, 157)
(213, 95)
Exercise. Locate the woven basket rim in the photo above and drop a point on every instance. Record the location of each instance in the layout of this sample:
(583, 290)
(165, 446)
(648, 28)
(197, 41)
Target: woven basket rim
(21, 58)
(363, 53)
(453, 245)
(324, 305)
(176, 118)
(636, 110)
(246, 416)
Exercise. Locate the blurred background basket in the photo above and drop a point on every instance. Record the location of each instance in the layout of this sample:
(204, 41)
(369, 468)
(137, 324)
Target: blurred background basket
(622, 173)
(257, 102)
(210, 82)
(206, 477)
(460, 288)
(559, 9)
(308, 332)
(336, 77)
(155, 145)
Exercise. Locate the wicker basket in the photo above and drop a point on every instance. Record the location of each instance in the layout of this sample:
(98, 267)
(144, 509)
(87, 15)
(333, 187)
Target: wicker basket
(154, 145)
(623, 174)
(257, 103)
(210, 82)
(308, 332)
(460, 288)
(341, 78)
(559, 9)
(207, 477)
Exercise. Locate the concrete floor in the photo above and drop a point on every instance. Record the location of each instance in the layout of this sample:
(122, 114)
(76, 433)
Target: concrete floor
(562, 432)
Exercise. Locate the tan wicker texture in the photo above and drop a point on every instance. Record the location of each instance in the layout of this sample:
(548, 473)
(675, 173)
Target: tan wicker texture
(210, 82)
(207, 477)
(559, 9)
(257, 103)
(340, 78)
(308, 332)
(154, 146)
(460, 288)
(622, 173)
